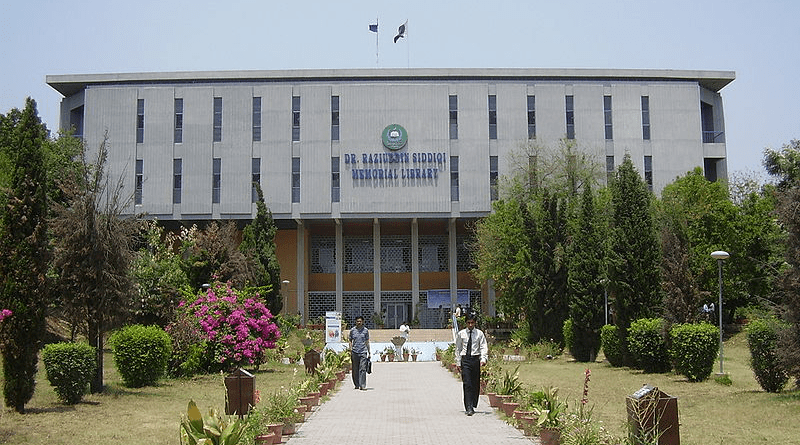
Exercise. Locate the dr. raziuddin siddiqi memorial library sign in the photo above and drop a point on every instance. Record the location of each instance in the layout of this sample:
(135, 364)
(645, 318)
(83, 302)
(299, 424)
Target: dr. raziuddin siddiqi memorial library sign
(394, 164)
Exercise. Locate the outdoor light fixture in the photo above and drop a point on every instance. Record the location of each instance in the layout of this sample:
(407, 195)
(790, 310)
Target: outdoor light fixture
(720, 255)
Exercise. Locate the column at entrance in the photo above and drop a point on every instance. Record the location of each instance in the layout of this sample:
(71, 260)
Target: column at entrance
(414, 268)
(376, 264)
(339, 265)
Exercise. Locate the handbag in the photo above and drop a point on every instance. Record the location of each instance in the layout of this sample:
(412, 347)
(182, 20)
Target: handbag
(369, 366)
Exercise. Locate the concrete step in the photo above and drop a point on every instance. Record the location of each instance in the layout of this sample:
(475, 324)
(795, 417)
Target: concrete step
(416, 335)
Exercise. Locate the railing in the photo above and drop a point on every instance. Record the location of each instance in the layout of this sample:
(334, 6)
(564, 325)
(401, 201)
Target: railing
(711, 137)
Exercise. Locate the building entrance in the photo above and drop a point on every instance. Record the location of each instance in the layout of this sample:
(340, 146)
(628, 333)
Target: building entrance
(396, 314)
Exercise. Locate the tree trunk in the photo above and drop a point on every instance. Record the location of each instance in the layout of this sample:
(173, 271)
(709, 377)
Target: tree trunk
(96, 340)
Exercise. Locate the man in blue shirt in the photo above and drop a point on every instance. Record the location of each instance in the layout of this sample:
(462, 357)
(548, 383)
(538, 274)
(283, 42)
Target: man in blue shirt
(359, 353)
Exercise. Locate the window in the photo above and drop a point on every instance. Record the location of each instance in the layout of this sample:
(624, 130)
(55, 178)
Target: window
(256, 119)
(648, 172)
(139, 181)
(177, 175)
(569, 103)
(334, 118)
(493, 192)
(139, 121)
(707, 120)
(217, 119)
(492, 116)
(646, 118)
(609, 169)
(607, 117)
(216, 180)
(295, 179)
(255, 169)
(531, 117)
(295, 118)
(178, 121)
(453, 106)
(453, 178)
(335, 188)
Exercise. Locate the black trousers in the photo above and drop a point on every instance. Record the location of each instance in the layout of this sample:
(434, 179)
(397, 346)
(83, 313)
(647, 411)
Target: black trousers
(471, 378)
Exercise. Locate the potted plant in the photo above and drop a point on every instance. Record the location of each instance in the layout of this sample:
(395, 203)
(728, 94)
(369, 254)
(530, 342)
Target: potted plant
(507, 388)
(414, 353)
(377, 320)
(389, 351)
(406, 353)
(213, 428)
(280, 408)
(550, 416)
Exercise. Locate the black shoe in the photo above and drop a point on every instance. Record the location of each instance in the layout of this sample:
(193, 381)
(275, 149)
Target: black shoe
(470, 412)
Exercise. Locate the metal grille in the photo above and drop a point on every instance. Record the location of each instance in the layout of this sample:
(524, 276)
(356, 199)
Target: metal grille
(319, 303)
(433, 253)
(396, 254)
(464, 259)
(431, 318)
(358, 303)
(358, 255)
(323, 254)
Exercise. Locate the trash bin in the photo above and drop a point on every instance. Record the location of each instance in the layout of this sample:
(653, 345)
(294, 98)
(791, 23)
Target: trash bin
(652, 412)
(311, 360)
(240, 389)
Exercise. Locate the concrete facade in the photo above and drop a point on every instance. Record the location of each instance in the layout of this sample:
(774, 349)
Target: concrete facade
(383, 231)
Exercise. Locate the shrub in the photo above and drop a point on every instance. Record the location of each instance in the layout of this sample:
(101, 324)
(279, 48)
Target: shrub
(694, 349)
(612, 345)
(648, 346)
(569, 337)
(762, 340)
(141, 354)
(237, 328)
(69, 367)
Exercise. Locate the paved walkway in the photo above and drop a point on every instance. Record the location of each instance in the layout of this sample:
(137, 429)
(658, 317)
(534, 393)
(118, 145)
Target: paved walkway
(417, 403)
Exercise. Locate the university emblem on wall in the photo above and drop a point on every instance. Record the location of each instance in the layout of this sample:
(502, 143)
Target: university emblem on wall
(394, 137)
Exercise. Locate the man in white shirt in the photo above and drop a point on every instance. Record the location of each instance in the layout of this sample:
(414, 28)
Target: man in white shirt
(472, 352)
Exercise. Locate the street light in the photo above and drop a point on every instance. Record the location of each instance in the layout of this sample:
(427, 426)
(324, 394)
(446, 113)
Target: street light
(720, 255)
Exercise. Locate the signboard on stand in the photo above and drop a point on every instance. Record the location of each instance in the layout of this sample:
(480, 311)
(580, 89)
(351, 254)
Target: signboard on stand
(333, 327)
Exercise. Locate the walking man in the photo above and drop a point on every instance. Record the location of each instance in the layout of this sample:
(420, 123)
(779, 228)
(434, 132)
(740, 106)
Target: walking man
(359, 353)
(472, 352)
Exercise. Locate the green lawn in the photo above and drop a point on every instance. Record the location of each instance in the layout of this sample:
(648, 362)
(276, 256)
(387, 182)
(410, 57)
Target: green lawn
(709, 413)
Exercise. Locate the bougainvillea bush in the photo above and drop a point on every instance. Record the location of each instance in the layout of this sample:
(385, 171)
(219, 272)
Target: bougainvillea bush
(237, 328)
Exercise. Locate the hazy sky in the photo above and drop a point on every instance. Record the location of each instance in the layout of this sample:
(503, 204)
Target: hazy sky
(757, 39)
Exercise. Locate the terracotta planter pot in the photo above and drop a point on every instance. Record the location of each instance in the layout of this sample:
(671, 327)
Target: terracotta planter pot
(528, 424)
(509, 408)
(503, 399)
(520, 414)
(265, 439)
(277, 432)
(289, 429)
(494, 402)
(484, 382)
(340, 375)
(405, 357)
(414, 357)
(307, 402)
(316, 395)
(302, 409)
(549, 436)
(390, 357)
(323, 389)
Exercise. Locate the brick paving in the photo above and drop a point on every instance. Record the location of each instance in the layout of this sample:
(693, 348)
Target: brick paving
(417, 403)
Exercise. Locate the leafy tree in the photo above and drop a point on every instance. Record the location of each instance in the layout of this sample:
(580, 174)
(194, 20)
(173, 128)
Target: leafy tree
(586, 262)
(634, 265)
(213, 254)
(94, 251)
(788, 349)
(258, 243)
(24, 249)
(784, 163)
(158, 275)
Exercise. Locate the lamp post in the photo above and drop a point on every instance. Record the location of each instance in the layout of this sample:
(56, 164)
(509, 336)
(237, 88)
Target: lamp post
(720, 255)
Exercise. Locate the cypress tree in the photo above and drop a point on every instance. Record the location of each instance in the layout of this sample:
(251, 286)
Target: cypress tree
(24, 250)
(635, 256)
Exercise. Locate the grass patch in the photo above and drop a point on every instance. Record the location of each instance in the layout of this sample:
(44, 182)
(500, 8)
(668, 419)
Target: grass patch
(123, 415)
(709, 413)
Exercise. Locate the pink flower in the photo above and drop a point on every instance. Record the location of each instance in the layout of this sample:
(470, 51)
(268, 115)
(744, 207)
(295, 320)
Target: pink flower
(5, 313)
